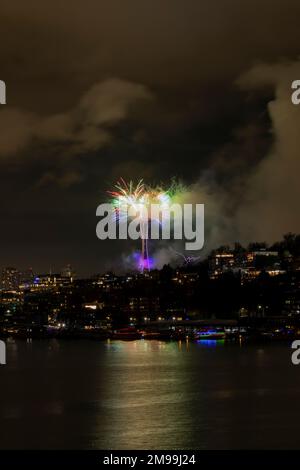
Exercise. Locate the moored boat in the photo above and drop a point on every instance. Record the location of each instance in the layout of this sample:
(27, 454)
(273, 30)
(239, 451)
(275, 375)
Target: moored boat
(126, 334)
(209, 334)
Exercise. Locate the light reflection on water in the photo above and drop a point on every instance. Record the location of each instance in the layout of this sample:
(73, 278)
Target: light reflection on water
(148, 395)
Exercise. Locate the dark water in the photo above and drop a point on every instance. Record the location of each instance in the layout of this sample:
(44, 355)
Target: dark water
(148, 395)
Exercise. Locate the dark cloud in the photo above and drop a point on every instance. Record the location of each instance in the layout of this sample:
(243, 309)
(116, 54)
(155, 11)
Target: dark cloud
(87, 127)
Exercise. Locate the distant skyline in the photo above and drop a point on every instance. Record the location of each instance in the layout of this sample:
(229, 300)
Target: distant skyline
(289, 243)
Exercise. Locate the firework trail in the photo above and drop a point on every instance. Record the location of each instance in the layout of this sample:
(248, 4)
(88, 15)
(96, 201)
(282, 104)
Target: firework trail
(187, 259)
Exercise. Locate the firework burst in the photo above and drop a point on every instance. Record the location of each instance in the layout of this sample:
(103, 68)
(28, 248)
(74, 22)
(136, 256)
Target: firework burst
(139, 197)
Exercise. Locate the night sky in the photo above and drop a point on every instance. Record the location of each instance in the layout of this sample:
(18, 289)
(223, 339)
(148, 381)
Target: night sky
(199, 90)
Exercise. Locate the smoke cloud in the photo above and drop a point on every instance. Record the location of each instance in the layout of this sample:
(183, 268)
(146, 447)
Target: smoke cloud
(271, 194)
(261, 202)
